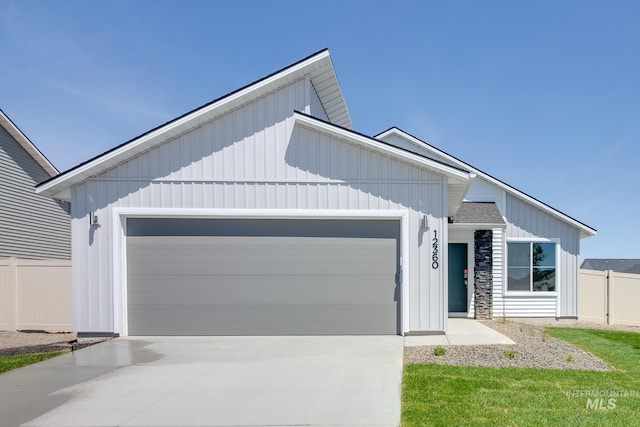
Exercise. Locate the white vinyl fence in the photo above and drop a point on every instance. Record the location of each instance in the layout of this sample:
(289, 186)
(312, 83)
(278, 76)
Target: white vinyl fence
(609, 297)
(35, 295)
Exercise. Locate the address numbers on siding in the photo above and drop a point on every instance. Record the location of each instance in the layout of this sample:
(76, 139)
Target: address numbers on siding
(435, 257)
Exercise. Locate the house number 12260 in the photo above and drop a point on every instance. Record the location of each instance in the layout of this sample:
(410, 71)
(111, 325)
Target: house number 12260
(435, 259)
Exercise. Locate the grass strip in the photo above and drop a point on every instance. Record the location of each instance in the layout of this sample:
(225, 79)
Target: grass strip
(9, 363)
(439, 395)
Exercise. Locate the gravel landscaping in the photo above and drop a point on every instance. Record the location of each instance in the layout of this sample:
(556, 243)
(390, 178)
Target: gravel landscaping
(533, 348)
(12, 343)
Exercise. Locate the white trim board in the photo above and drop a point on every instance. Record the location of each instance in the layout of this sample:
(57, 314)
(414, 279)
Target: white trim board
(119, 255)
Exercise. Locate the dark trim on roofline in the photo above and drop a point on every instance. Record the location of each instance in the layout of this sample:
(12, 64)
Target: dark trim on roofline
(378, 141)
(182, 116)
(490, 176)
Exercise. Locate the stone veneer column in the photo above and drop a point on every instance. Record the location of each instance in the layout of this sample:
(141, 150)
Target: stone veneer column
(483, 279)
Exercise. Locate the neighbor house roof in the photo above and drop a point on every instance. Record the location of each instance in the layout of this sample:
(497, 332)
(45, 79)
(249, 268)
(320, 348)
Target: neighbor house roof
(318, 67)
(585, 230)
(478, 213)
(620, 265)
(27, 145)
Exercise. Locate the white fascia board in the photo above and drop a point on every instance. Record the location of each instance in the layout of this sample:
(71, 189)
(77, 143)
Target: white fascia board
(476, 226)
(453, 174)
(27, 145)
(585, 231)
(259, 213)
(413, 140)
(340, 113)
(56, 186)
(464, 192)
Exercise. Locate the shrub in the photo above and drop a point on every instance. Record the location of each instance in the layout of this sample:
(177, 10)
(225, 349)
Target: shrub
(439, 351)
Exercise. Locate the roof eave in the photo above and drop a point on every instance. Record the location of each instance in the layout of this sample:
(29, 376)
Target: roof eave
(332, 100)
(454, 209)
(585, 230)
(584, 234)
(56, 186)
(476, 226)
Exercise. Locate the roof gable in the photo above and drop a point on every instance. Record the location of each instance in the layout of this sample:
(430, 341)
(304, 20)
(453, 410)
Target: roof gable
(585, 230)
(458, 180)
(317, 67)
(27, 145)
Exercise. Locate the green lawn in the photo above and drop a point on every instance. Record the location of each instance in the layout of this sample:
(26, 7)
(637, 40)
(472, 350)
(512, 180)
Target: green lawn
(8, 363)
(452, 395)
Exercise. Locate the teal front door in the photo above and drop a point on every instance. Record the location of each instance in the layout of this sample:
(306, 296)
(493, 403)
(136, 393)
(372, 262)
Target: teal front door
(457, 270)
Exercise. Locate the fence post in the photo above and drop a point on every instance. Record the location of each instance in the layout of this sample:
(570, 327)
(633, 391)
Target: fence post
(13, 286)
(610, 296)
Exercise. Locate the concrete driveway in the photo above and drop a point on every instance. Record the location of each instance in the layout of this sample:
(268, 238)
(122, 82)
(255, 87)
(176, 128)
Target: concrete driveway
(212, 381)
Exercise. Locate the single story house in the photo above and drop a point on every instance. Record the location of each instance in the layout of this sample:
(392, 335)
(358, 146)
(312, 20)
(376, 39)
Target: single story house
(265, 213)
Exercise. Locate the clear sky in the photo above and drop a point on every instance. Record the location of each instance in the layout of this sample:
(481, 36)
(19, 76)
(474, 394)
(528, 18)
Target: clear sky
(544, 95)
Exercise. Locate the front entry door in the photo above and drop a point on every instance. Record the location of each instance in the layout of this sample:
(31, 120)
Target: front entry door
(457, 279)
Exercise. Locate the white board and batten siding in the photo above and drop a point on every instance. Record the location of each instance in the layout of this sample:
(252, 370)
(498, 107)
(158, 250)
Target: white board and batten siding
(256, 158)
(525, 221)
(416, 147)
(482, 190)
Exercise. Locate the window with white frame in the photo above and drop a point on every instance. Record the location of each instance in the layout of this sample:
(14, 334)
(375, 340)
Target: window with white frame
(531, 266)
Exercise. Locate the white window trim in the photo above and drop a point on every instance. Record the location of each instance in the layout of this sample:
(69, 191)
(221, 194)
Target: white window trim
(539, 294)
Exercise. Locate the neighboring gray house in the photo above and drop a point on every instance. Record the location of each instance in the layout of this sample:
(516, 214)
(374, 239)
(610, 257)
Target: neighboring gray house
(619, 265)
(32, 226)
(265, 213)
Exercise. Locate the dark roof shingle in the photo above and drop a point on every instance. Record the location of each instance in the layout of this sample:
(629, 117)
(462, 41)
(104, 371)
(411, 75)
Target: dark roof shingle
(620, 265)
(478, 213)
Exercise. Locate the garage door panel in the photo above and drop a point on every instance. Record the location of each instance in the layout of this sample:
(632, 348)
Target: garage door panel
(263, 285)
(243, 320)
(262, 255)
(152, 290)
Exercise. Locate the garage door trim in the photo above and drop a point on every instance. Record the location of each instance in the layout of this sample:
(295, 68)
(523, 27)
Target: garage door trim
(119, 256)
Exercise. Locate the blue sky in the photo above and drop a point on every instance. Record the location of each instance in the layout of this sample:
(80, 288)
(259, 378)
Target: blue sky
(543, 95)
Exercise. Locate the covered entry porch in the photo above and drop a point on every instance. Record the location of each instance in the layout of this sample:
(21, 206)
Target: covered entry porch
(474, 257)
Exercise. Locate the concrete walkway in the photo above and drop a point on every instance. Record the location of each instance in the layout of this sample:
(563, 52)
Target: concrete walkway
(461, 332)
(212, 381)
